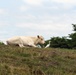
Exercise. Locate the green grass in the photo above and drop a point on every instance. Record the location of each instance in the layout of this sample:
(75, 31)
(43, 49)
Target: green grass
(37, 61)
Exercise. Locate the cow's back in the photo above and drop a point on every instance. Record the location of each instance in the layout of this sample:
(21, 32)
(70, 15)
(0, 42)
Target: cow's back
(26, 40)
(14, 40)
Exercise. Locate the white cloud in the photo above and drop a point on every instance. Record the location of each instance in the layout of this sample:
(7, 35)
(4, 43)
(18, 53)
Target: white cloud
(33, 2)
(4, 23)
(45, 29)
(2, 11)
(3, 36)
(65, 4)
(3, 32)
(24, 8)
(65, 1)
(46, 17)
(25, 17)
(53, 7)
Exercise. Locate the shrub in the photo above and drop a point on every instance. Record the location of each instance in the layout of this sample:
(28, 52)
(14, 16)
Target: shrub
(1, 43)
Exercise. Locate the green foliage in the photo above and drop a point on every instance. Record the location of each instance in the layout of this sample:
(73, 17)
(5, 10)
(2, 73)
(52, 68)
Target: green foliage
(73, 40)
(72, 37)
(74, 27)
(58, 42)
(63, 42)
(1, 43)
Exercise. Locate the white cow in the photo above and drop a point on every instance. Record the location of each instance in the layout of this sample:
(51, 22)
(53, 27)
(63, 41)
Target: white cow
(23, 41)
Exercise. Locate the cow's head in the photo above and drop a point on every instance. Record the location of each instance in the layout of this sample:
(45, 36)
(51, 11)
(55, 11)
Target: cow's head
(40, 39)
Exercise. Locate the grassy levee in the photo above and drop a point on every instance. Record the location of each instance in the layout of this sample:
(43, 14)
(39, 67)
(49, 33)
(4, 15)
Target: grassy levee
(37, 61)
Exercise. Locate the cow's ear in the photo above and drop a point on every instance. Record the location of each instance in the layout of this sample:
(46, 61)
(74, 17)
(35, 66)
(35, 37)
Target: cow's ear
(38, 36)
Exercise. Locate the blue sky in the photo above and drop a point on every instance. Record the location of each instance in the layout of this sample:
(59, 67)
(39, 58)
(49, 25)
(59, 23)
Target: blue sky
(36, 17)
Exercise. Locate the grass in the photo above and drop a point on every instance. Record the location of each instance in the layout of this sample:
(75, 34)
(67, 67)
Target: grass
(37, 61)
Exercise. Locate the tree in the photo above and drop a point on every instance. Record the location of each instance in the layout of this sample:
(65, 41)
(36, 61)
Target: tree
(64, 42)
(73, 40)
(74, 27)
(72, 37)
(59, 42)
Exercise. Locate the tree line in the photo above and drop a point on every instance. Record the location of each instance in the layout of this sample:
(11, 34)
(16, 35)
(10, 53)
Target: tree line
(64, 42)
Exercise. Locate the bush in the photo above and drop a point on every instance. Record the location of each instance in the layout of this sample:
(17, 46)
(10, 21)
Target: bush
(1, 43)
(63, 42)
(73, 40)
(58, 42)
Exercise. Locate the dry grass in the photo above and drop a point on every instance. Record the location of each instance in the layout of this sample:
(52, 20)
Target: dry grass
(37, 61)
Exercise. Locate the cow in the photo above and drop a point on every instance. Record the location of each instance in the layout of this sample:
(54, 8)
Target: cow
(23, 41)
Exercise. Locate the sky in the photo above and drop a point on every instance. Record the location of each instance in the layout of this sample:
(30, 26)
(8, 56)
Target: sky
(48, 18)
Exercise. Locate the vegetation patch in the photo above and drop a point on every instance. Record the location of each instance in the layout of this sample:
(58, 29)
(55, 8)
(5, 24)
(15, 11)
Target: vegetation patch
(37, 61)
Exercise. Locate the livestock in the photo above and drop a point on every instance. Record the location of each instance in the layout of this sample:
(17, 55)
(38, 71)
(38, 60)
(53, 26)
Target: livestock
(23, 41)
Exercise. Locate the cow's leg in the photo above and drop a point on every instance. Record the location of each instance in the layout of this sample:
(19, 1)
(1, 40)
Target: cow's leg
(21, 45)
(33, 45)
